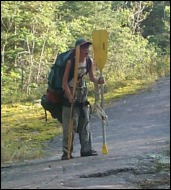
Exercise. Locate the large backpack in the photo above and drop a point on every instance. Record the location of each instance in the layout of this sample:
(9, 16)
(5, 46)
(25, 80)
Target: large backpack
(53, 99)
(57, 70)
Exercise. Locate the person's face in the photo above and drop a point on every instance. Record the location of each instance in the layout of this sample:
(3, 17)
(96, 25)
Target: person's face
(84, 50)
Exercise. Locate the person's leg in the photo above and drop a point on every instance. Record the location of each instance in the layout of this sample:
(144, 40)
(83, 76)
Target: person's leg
(85, 135)
(65, 127)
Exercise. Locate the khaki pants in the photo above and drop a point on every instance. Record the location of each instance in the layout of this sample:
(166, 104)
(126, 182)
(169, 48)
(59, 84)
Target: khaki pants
(80, 126)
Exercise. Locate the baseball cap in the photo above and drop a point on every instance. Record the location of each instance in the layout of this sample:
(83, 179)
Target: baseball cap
(81, 42)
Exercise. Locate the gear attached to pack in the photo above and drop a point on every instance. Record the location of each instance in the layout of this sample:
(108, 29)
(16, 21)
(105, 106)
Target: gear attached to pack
(96, 107)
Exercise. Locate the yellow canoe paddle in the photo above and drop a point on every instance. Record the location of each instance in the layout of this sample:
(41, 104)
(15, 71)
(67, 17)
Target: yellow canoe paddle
(100, 46)
(70, 131)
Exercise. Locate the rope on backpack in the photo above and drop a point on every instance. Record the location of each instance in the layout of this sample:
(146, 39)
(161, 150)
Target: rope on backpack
(96, 107)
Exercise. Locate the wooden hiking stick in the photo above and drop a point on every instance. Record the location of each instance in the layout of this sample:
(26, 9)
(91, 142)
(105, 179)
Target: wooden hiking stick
(70, 130)
(100, 45)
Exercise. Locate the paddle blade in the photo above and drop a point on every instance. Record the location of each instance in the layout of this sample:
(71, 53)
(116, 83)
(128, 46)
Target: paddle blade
(100, 47)
(104, 149)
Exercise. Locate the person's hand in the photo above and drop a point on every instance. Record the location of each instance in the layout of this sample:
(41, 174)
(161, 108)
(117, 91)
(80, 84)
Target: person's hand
(71, 99)
(101, 80)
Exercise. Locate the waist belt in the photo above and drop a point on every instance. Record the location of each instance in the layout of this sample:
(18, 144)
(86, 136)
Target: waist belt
(66, 103)
(76, 104)
(82, 104)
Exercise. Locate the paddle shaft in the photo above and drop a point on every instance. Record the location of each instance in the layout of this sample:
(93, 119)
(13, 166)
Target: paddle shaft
(102, 106)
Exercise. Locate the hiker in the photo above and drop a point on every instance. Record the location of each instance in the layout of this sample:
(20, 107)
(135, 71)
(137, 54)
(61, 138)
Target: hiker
(80, 103)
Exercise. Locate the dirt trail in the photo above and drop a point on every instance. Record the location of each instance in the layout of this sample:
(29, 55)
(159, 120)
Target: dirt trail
(138, 140)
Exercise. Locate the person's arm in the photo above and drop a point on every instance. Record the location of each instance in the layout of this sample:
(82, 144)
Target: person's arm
(99, 80)
(65, 82)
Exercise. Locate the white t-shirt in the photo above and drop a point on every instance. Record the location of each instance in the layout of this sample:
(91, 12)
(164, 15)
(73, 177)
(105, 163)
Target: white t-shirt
(81, 72)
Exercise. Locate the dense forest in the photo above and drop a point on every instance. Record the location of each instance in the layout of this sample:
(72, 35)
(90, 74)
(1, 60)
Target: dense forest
(33, 32)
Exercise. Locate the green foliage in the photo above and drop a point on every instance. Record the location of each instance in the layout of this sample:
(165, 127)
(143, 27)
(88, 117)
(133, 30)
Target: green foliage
(156, 25)
(30, 44)
(23, 132)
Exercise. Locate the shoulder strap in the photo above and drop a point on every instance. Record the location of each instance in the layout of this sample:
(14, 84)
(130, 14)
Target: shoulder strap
(71, 73)
(45, 117)
(88, 64)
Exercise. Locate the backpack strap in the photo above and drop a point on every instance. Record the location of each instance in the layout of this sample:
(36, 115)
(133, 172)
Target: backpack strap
(71, 73)
(88, 64)
(45, 117)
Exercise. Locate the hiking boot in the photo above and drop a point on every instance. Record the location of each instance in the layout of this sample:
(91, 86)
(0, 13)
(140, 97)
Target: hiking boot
(65, 156)
(89, 153)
